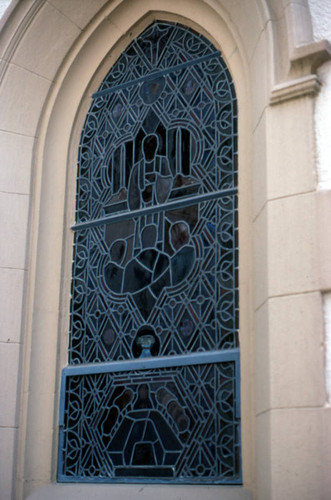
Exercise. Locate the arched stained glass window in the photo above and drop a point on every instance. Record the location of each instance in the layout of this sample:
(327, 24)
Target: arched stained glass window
(151, 391)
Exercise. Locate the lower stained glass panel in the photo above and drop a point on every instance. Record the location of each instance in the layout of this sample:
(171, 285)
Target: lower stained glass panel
(167, 424)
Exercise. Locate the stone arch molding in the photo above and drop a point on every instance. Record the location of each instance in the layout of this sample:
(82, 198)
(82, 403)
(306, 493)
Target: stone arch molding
(292, 27)
(290, 23)
(62, 73)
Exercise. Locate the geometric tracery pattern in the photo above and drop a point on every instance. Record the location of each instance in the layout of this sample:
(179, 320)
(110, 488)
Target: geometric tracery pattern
(169, 139)
(198, 313)
(177, 424)
(155, 268)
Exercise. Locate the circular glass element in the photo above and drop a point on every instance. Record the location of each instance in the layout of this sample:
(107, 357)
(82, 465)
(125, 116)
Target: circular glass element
(108, 337)
(189, 86)
(117, 111)
(151, 90)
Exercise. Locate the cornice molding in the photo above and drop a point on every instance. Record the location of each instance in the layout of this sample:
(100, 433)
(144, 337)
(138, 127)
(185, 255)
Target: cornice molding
(292, 89)
(303, 81)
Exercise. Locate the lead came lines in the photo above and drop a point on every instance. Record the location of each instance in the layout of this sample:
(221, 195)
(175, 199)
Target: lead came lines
(151, 393)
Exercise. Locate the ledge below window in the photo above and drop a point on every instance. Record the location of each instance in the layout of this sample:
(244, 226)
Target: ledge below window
(138, 492)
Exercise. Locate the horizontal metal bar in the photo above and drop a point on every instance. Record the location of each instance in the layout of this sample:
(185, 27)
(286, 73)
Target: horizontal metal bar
(156, 74)
(236, 482)
(171, 205)
(198, 358)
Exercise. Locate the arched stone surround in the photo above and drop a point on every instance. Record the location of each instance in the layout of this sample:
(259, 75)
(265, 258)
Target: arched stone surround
(54, 55)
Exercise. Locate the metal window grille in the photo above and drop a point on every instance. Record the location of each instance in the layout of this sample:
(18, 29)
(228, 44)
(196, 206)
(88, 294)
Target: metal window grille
(151, 391)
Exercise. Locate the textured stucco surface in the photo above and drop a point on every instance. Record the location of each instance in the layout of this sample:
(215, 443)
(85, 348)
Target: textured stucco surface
(3, 6)
(321, 19)
(323, 127)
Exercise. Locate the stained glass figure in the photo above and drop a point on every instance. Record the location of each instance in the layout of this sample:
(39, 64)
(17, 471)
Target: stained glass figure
(151, 392)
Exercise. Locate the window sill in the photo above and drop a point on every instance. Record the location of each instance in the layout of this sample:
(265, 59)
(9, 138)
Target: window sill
(57, 491)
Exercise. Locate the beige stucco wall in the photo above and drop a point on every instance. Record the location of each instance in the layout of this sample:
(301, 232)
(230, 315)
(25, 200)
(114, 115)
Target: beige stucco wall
(53, 55)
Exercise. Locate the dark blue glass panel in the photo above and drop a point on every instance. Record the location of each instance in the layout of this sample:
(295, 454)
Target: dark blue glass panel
(184, 121)
(155, 271)
(149, 141)
(183, 287)
(174, 424)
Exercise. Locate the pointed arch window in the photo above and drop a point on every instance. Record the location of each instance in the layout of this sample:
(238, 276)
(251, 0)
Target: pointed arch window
(151, 390)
